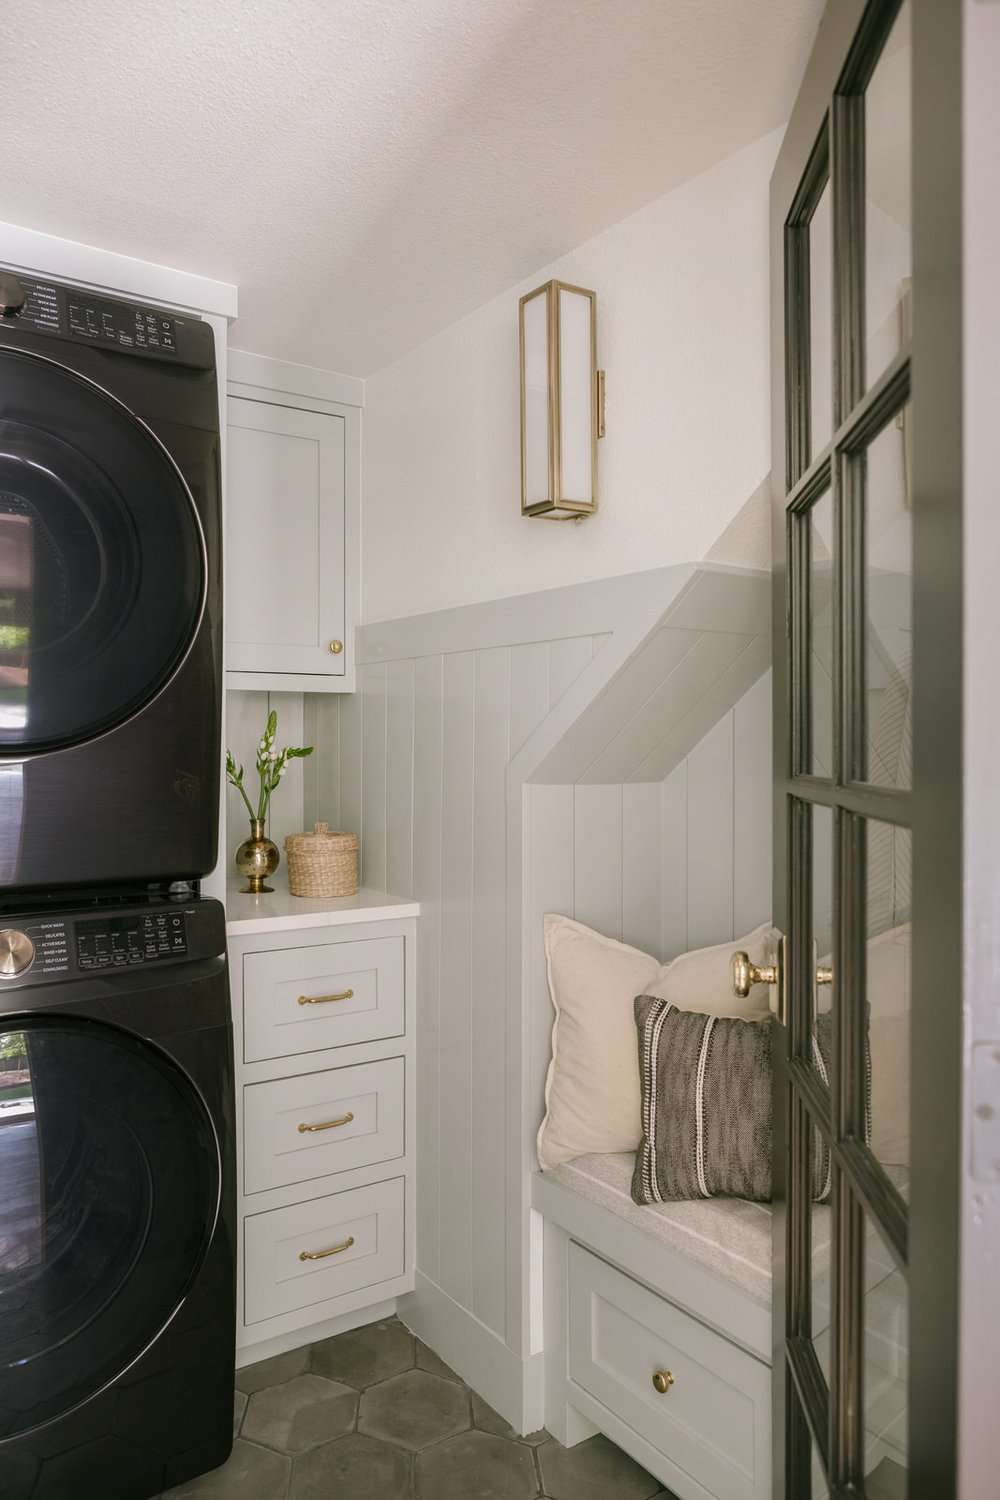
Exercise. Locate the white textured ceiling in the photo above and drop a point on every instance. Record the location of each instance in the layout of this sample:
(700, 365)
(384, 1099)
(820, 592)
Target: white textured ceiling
(369, 170)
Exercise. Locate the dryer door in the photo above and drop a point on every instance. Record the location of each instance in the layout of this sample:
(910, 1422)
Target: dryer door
(109, 1194)
(102, 559)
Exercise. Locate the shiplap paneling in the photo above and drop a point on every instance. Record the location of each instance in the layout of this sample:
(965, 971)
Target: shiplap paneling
(616, 856)
(428, 776)
(321, 770)
(488, 989)
(752, 762)
(598, 832)
(399, 777)
(682, 863)
(455, 1100)
(710, 837)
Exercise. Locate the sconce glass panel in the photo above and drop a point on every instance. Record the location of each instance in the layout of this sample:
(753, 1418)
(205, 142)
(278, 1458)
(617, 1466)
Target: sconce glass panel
(559, 418)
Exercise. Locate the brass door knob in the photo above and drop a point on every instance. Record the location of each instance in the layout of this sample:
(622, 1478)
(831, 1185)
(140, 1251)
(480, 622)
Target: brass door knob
(336, 647)
(662, 1381)
(745, 974)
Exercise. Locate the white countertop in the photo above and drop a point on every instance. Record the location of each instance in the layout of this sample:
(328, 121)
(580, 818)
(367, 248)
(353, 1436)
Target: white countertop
(280, 911)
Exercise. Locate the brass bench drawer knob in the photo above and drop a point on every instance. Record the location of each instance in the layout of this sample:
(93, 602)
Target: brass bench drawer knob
(662, 1381)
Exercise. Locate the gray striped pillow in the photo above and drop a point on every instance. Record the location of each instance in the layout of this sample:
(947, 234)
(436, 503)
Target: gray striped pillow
(706, 1105)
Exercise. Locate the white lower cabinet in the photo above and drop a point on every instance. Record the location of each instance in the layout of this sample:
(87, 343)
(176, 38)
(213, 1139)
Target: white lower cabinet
(700, 1401)
(323, 1041)
(313, 1252)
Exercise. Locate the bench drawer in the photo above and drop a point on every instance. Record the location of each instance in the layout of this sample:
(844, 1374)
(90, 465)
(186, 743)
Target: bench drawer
(713, 1422)
(299, 1000)
(310, 1252)
(295, 1129)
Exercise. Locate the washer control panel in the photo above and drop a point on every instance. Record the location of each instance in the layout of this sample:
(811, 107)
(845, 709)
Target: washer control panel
(116, 942)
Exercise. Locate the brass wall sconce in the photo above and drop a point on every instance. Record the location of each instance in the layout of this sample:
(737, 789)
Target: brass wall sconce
(562, 402)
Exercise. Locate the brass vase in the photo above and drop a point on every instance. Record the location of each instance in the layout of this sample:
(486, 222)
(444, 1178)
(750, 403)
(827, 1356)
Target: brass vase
(256, 859)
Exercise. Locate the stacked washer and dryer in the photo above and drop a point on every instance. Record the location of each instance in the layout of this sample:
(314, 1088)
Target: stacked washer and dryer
(117, 1215)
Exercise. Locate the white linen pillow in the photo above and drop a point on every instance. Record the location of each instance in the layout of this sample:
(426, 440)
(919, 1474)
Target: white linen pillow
(592, 1095)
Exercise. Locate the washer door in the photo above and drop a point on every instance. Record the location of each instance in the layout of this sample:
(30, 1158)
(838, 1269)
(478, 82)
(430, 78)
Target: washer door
(102, 559)
(109, 1193)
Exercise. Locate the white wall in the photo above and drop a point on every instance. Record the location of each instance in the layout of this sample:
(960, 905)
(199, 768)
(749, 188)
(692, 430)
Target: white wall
(683, 334)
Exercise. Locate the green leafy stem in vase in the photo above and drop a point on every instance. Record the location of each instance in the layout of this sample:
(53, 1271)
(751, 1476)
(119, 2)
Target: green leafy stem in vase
(271, 766)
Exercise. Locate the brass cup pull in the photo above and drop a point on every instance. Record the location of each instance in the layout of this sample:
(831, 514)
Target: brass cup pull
(326, 1124)
(824, 974)
(322, 1254)
(336, 647)
(325, 999)
(662, 1381)
(745, 974)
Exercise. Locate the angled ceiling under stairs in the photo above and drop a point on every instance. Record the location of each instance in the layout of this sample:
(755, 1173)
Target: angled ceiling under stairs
(635, 719)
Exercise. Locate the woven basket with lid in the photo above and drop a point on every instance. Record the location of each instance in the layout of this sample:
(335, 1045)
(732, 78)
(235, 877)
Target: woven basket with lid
(322, 863)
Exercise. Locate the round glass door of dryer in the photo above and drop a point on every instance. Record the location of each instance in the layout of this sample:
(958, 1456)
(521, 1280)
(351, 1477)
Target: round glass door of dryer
(109, 1195)
(102, 559)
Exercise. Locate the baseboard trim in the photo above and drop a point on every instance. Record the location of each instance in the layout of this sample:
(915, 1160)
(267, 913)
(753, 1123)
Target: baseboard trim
(296, 1338)
(513, 1386)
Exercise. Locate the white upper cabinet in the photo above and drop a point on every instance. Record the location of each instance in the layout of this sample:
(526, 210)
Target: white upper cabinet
(289, 580)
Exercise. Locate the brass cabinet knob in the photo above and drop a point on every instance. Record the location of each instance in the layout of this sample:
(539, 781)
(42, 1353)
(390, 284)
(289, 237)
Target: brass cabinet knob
(336, 647)
(745, 974)
(662, 1381)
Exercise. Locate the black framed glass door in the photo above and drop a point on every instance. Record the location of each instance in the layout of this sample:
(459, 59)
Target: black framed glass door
(109, 1193)
(845, 798)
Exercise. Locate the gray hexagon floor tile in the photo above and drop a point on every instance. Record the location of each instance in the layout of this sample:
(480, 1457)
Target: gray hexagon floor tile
(414, 1410)
(300, 1414)
(251, 1473)
(434, 1364)
(478, 1466)
(365, 1355)
(272, 1371)
(357, 1468)
(488, 1420)
(593, 1470)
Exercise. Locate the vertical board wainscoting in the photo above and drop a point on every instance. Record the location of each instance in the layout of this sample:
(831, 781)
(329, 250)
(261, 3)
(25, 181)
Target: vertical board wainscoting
(431, 762)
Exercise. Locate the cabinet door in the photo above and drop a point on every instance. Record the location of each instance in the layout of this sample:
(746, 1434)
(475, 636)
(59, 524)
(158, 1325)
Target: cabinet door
(284, 539)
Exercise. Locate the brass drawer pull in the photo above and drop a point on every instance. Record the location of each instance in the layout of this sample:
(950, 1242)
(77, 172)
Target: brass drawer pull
(327, 1124)
(322, 1254)
(662, 1381)
(325, 999)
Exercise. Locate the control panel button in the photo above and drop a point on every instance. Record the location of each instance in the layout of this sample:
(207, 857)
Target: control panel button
(16, 952)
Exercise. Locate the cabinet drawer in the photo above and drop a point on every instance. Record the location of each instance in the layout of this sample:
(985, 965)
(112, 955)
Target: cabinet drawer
(329, 995)
(714, 1421)
(360, 1231)
(298, 1128)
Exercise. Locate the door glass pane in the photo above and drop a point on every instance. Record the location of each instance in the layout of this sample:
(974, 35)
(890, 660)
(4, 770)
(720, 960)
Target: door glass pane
(889, 605)
(888, 245)
(886, 1352)
(821, 954)
(822, 1260)
(887, 968)
(821, 324)
(821, 635)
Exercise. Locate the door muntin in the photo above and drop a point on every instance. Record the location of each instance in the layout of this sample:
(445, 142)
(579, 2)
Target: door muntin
(110, 1181)
(103, 568)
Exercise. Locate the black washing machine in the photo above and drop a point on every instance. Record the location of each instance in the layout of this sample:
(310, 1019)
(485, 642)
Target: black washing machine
(110, 590)
(117, 1210)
